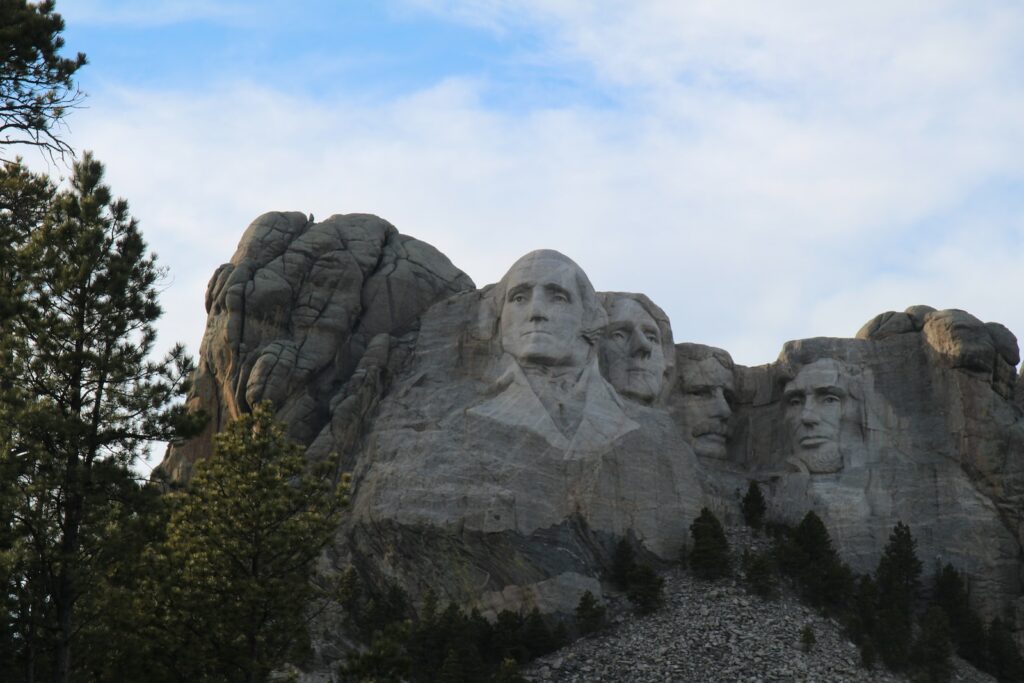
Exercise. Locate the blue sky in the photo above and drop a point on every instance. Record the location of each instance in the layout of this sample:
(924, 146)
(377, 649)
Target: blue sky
(763, 173)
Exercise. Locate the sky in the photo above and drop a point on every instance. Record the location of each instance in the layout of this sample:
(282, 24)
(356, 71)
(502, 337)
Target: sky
(763, 171)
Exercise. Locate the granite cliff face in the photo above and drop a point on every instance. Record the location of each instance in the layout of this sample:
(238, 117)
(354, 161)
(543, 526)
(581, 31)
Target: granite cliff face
(303, 316)
(502, 440)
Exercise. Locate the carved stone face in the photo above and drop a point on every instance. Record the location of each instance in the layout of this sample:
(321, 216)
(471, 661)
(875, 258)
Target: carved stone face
(542, 313)
(814, 402)
(631, 353)
(961, 338)
(707, 391)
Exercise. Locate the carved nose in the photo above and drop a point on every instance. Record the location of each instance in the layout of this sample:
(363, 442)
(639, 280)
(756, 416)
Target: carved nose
(537, 310)
(809, 416)
(641, 346)
(719, 406)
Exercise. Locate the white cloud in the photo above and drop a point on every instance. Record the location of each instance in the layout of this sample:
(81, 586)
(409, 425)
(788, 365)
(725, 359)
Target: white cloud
(760, 166)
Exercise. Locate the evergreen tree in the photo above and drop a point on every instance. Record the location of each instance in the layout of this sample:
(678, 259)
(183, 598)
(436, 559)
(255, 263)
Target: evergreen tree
(240, 549)
(453, 670)
(646, 589)
(1004, 660)
(25, 201)
(898, 579)
(36, 87)
(386, 659)
(810, 559)
(863, 615)
(589, 614)
(79, 397)
(754, 506)
(968, 630)
(807, 638)
(759, 573)
(508, 672)
(933, 648)
(623, 561)
(537, 637)
(709, 556)
(508, 638)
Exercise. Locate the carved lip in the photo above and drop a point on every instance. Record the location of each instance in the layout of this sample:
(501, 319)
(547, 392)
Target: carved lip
(814, 441)
(712, 436)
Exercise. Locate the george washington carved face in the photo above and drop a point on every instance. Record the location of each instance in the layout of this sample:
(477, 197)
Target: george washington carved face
(542, 311)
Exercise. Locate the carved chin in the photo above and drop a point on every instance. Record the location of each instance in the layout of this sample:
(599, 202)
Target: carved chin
(825, 462)
(710, 446)
(639, 387)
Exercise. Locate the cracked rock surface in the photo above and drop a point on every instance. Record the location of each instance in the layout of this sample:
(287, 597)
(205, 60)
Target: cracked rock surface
(303, 310)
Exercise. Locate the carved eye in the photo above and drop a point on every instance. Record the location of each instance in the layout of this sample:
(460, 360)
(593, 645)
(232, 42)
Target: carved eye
(518, 298)
(651, 337)
(618, 335)
(795, 401)
(560, 298)
(831, 399)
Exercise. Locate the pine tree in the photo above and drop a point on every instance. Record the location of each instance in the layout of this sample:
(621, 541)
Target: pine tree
(862, 617)
(623, 561)
(80, 397)
(709, 556)
(1004, 660)
(508, 637)
(453, 670)
(810, 559)
(386, 659)
(508, 672)
(240, 549)
(968, 630)
(759, 573)
(933, 648)
(807, 638)
(536, 635)
(898, 579)
(589, 614)
(646, 589)
(754, 506)
(36, 87)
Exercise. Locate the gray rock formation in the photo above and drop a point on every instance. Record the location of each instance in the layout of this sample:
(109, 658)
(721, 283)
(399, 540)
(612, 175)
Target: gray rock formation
(301, 310)
(912, 421)
(503, 440)
(505, 446)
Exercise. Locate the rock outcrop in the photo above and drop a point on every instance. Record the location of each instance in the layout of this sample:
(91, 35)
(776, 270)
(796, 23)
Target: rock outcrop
(502, 440)
(302, 310)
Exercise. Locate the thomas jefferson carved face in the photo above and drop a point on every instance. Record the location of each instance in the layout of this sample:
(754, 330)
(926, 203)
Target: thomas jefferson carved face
(631, 352)
(542, 312)
(707, 387)
(814, 402)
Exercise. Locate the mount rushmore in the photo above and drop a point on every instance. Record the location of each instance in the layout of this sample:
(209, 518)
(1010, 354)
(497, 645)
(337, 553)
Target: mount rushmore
(502, 440)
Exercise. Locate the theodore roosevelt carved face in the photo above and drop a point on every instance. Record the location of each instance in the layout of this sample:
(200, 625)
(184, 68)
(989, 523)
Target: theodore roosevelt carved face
(706, 382)
(815, 400)
(543, 311)
(632, 356)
